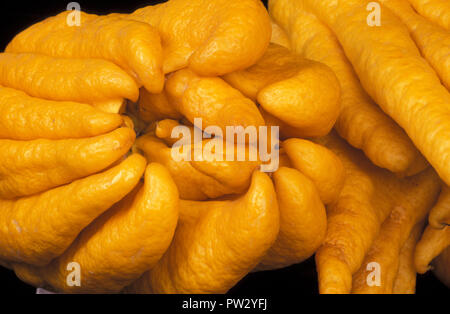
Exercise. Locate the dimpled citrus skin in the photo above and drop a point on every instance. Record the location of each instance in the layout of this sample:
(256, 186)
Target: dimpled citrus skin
(153, 107)
(410, 208)
(210, 37)
(442, 267)
(405, 281)
(81, 80)
(361, 122)
(27, 118)
(29, 167)
(212, 100)
(123, 243)
(216, 243)
(38, 228)
(432, 243)
(279, 36)
(432, 41)
(199, 180)
(303, 220)
(302, 93)
(132, 45)
(366, 200)
(319, 164)
(440, 214)
(437, 11)
(398, 78)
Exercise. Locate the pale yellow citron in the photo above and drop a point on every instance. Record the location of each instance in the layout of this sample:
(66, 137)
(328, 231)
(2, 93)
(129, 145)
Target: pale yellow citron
(132, 45)
(303, 221)
(437, 11)
(212, 100)
(64, 79)
(410, 208)
(354, 220)
(123, 243)
(216, 243)
(398, 79)
(319, 164)
(432, 243)
(440, 213)
(27, 118)
(196, 179)
(38, 228)
(29, 167)
(432, 40)
(302, 93)
(210, 37)
(442, 267)
(361, 122)
(405, 281)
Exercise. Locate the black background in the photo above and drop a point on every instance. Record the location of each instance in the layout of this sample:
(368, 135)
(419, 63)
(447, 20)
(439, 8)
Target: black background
(299, 279)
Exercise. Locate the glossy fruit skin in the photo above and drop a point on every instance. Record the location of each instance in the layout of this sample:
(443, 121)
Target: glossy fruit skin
(367, 199)
(23, 117)
(216, 243)
(123, 243)
(29, 167)
(437, 11)
(361, 122)
(132, 45)
(210, 37)
(64, 79)
(303, 221)
(38, 228)
(406, 88)
(302, 93)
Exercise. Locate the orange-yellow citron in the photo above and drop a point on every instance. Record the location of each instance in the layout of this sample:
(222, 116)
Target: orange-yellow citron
(132, 45)
(432, 41)
(120, 245)
(361, 122)
(368, 197)
(198, 179)
(210, 37)
(211, 99)
(440, 214)
(216, 243)
(303, 221)
(405, 280)
(304, 94)
(64, 79)
(319, 164)
(29, 167)
(432, 243)
(36, 229)
(23, 117)
(437, 11)
(442, 267)
(398, 78)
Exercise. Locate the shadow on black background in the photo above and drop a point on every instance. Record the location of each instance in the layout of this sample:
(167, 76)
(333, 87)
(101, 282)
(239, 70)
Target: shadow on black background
(299, 279)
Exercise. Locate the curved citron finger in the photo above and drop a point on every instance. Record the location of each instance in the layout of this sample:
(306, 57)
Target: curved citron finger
(29, 167)
(319, 164)
(132, 45)
(432, 243)
(438, 11)
(111, 258)
(442, 267)
(38, 228)
(64, 79)
(216, 243)
(440, 213)
(27, 118)
(303, 221)
(212, 37)
(302, 93)
(361, 122)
